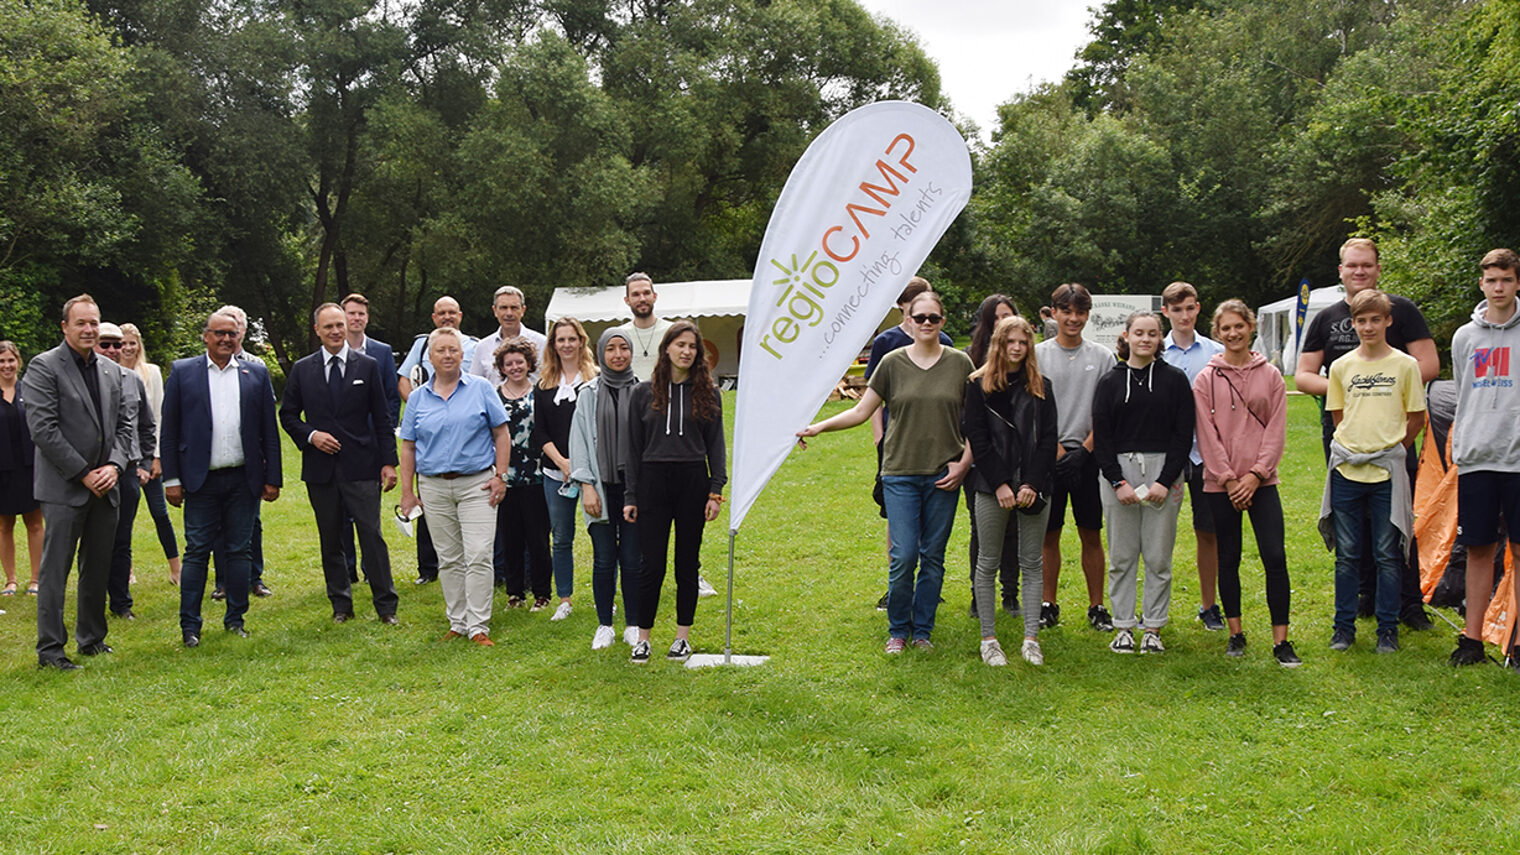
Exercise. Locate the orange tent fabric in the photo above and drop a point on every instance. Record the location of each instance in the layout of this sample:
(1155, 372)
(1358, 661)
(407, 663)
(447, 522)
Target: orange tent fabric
(1435, 515)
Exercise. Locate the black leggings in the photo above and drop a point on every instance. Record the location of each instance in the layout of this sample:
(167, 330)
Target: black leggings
(1267, 523)
(671, 494)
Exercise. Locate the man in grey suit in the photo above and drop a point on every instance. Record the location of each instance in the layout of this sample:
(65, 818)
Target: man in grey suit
(79, 412)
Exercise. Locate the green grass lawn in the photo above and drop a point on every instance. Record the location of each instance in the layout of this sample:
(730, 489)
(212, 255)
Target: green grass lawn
(311, 737)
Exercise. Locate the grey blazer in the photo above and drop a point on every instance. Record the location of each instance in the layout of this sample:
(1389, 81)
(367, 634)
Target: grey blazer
(67, 431)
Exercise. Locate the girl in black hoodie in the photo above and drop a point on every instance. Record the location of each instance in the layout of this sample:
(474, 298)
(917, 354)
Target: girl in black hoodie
(676, 441)
(1142, 436)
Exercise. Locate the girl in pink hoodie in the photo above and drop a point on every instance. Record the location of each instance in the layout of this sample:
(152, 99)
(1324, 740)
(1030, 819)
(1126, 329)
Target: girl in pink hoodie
(1242, 426)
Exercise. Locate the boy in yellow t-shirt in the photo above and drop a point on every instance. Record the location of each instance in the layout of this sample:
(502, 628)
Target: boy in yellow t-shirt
(1378, 405)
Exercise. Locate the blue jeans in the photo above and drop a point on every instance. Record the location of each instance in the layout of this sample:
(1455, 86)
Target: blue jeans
(562, 532)
(614, 546)
(220, 516)
(1351, 502)
(919, 517)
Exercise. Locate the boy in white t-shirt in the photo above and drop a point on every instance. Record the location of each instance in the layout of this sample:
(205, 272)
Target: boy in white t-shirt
(1377, 402)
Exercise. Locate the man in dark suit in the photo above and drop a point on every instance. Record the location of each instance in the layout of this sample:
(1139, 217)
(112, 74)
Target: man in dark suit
(356, 315)
(129, 487)
(220, 450)
(348, 455)
(79, 412)
(256, 549)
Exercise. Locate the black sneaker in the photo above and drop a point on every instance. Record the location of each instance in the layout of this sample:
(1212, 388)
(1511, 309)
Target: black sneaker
(1212, 619)
(881, 604)
(1098, 618)
(1283, 652)
(1236, 646)
(219, 593)
(640, 655)
(1388, 640)
(1342, 639)
(1050, 615)
(1469, 652)
(680, 650)
(1416, 619)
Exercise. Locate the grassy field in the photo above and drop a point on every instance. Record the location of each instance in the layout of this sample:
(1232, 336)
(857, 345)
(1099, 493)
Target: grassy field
(311, 737)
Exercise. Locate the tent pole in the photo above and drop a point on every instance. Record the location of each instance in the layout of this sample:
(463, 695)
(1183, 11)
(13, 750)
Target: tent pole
(728, 629)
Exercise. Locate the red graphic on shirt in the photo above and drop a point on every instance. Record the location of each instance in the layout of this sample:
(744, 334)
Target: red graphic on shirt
(1491, 361)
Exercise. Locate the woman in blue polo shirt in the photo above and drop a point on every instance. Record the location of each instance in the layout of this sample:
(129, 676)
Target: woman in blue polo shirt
(454, 441)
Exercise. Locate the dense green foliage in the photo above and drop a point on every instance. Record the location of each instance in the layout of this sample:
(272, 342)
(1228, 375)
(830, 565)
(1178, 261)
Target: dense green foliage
(170, 155)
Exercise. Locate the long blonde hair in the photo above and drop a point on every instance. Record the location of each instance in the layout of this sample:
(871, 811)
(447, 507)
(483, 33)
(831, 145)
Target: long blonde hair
(550, 377)
(994, 372)
(143, 366)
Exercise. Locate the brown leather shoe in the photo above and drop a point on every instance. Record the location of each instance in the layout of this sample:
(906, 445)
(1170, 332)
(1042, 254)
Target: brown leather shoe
(451, 635)
(483, 640)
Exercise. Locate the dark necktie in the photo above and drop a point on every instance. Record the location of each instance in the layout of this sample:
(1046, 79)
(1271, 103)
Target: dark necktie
(334, 378)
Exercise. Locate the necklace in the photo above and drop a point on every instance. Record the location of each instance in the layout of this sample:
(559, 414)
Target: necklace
(644, 344)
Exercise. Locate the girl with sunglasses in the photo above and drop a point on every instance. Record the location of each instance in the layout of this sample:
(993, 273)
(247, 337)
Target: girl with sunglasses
(924, 460)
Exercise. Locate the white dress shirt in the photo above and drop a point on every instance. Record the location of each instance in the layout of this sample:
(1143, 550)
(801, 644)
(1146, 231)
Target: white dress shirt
(226, 414)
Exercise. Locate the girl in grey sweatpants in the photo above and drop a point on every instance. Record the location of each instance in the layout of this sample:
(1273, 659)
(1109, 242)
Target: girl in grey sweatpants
(1142, 435)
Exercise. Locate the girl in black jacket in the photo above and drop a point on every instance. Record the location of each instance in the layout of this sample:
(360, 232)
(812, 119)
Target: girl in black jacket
(1010, 421)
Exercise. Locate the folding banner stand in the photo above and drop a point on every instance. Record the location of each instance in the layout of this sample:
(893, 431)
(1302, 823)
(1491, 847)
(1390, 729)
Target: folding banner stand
(708, 660)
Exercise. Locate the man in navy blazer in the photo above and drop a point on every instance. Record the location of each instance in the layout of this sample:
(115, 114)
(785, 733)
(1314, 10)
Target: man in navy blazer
(335, 410)
(220, 450)
(356, 314)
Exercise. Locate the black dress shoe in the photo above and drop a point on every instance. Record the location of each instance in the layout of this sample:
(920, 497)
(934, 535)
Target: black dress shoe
(423, 580)
(62, 663)
(343, 617)
(260, 589)
(238, 631)
(95, 649)
(219, 593)
(192, 639)
(128, 614)
(389, 620)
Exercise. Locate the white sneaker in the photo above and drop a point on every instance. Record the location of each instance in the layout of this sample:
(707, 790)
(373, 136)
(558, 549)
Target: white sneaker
(630, 635)
(992, 653)
(603, 638)
(562, 612)
(1031, 652)
(705, 588)
(1150, 642)
(1124, 642)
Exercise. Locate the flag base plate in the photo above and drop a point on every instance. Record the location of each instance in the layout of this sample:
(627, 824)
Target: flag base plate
(709, 660)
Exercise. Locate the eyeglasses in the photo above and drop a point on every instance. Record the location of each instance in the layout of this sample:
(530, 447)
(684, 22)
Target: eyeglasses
(928, 319)
(109, 345)
(224, 333)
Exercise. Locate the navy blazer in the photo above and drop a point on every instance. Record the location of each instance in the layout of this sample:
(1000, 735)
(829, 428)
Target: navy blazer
(389, 380)
(185, 429)
(359, 418)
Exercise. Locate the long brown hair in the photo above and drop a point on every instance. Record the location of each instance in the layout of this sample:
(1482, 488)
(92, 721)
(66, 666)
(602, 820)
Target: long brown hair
(550, 377)
(994, 372)
(705, 405)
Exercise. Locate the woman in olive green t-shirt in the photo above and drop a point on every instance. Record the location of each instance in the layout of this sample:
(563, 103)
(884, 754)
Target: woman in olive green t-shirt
(924, 459)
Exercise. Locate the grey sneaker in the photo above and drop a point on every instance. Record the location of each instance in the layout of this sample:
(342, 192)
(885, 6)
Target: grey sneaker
(1388, 641)
(992, 653)
(1150, 642)
(1237, 645)
(680, 650)
(1212, 619)
(1124, 642)
(1283, 652)
(1342, 639)
(923, 644)
(1032, 653)
(640, 655)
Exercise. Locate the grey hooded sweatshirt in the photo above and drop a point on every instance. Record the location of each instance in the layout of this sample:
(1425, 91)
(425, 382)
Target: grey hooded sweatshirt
(1485, 357)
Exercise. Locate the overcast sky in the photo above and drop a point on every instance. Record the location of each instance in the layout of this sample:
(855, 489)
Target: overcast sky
(989, 50)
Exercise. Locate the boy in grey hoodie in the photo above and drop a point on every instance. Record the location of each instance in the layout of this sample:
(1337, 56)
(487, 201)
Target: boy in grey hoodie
(1484, 444)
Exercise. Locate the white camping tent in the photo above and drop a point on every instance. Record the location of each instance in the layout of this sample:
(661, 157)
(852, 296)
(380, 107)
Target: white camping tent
(717, 305)
(1274, 325)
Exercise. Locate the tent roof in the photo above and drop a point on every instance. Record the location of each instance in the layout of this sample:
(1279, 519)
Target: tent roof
(701, 299)
(1318, 298)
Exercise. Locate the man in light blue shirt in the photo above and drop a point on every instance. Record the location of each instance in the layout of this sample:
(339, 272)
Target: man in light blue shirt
(1186, 349)
(446, 313)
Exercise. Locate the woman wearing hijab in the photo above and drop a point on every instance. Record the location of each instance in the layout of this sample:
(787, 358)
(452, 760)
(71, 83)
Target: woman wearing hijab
(599, 457)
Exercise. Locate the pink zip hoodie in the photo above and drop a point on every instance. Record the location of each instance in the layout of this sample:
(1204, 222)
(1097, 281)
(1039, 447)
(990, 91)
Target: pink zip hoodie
(1242, 420)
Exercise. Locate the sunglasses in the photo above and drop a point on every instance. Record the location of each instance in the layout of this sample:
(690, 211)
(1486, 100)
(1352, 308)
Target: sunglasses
(109, 345)
(928, 319)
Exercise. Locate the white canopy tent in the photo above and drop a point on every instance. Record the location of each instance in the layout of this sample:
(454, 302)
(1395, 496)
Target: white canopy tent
(717, 305)
(1274, 325)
